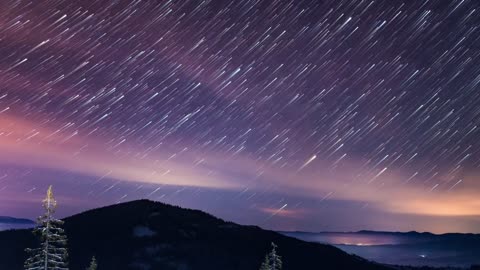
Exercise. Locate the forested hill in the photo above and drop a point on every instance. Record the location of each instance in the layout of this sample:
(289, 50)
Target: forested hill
(151, 235)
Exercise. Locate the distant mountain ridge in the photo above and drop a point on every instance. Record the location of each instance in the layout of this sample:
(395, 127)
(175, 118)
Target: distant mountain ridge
(382, 232)
(146, 235)
(10, 223)
(416, 233)
(403, 248)
(12, 220)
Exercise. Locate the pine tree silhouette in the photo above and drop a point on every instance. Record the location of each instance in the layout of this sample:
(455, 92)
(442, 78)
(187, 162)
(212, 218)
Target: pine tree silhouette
(272, 261)
(93, 264)
(52, 253)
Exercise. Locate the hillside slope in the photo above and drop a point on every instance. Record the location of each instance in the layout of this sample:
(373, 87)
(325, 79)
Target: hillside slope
(151, 235)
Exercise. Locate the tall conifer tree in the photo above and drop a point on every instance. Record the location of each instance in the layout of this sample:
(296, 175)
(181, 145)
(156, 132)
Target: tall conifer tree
(52, 253)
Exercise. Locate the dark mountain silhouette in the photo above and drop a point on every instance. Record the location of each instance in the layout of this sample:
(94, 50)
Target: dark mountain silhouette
(151, 235)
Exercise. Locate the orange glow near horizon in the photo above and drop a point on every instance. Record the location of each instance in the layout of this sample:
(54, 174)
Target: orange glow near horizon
(23, 142)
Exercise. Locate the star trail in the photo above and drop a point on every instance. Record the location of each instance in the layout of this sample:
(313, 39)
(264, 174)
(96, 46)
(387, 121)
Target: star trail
(295, 114)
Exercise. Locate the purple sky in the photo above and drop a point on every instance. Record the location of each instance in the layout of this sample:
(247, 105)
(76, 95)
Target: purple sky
(291, 115)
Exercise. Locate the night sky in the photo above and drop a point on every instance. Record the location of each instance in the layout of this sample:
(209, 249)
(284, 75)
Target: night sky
(332, 115)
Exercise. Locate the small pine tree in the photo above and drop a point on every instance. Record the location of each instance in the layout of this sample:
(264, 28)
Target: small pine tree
(265, 265)
(52, 253)
(93, 264)
(275, 259)
(272, 261)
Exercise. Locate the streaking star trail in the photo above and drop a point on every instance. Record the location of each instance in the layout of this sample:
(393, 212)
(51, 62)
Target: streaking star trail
(362, 114)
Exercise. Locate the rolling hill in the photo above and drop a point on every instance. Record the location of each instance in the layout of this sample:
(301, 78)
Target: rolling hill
(147, 235)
